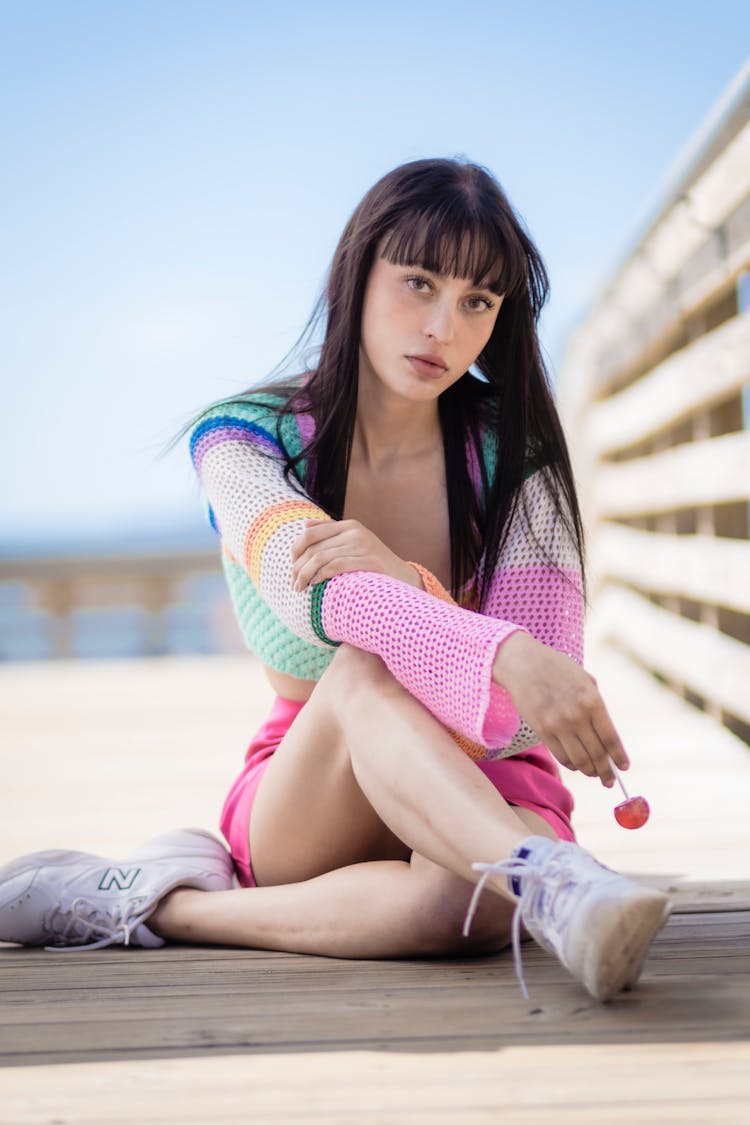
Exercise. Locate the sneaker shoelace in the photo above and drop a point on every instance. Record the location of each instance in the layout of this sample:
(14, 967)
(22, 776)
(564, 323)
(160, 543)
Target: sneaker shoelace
(542, 904)
(83, 920)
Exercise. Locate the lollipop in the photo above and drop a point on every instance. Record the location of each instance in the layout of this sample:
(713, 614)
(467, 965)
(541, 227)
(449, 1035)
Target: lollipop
(633, 812)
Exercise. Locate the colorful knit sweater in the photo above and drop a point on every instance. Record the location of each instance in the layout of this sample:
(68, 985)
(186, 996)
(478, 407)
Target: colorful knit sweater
(440, 652)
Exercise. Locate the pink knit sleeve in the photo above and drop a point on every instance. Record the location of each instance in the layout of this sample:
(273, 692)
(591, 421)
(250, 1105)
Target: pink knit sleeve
(538, 580)
(441, 653)
(537, 584)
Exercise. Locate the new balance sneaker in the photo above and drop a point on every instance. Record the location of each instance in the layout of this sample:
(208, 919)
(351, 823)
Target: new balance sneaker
(597, 923)
(65, 899)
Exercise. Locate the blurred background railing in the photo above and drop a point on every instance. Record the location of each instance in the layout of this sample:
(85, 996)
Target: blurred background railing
(124, 603)
(654, 394)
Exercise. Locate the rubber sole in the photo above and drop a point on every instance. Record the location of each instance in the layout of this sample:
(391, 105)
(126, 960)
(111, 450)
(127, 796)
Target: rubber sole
(616, 958)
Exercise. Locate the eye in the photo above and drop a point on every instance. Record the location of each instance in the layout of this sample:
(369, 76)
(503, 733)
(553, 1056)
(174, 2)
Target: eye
(480, 304)
(419, 284)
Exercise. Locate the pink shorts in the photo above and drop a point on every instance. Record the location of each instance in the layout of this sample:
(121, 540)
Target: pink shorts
(529, 780)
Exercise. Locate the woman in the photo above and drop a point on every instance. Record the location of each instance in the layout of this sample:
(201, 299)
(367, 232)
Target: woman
(411, 749)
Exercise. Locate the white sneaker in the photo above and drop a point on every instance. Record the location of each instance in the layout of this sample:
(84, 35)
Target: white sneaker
(75, 900)
(597, 923)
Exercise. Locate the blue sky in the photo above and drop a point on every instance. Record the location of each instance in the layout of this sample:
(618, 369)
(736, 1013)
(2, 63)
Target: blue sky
(178, 173)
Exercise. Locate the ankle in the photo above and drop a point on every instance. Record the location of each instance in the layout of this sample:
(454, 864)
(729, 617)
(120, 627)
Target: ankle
(161, 920)
(183, 913)
(533, 850)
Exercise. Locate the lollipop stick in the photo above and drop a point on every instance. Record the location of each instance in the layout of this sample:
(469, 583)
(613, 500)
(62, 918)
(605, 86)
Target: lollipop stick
(619, 780)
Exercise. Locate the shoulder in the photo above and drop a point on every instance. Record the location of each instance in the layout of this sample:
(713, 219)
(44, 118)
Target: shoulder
(257, 418)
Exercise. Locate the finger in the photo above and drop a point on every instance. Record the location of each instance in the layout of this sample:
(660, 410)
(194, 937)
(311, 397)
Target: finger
(305, 569)
(585, 749)
(601, 765)
(568, 745)
(581, 755)
(559, 735)
(598, 742)
(331, 570)
(304, 553)
(609, 738)
(559, 750)
(316, 533)
(324, 563)
(606, 749)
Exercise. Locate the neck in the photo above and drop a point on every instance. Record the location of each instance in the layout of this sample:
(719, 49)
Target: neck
(389, 427)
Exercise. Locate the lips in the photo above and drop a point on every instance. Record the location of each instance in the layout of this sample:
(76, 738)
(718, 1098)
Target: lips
(428, 366)
(430, 358)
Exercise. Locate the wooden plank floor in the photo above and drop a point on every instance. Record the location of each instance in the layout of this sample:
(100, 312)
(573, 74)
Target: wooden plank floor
(102, 756)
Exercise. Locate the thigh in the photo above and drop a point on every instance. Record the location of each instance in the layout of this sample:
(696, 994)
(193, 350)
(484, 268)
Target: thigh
(309, 815)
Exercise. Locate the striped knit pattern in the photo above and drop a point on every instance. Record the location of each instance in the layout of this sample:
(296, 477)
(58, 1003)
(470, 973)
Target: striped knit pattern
(441, 652)
(268, 523)
(226, 427)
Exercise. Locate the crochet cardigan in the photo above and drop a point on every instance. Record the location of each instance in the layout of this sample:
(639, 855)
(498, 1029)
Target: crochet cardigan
(441, 653)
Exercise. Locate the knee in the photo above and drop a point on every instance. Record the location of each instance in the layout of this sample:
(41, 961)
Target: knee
(356, 665)
(354, 675)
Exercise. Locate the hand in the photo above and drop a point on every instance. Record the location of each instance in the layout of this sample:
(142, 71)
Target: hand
(330, 547)
(562, 705)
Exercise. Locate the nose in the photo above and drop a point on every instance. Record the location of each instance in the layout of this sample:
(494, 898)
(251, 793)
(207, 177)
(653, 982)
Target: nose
(439, 325)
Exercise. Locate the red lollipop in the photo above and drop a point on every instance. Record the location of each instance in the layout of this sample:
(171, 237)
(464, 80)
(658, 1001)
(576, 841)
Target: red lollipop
(633, 812)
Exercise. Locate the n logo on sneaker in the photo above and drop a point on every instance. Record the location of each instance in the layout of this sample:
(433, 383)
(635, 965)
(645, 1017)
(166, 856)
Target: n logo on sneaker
(116, 877)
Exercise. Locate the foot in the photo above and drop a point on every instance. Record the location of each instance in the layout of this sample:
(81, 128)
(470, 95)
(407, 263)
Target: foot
(65, 899)
(597, 923)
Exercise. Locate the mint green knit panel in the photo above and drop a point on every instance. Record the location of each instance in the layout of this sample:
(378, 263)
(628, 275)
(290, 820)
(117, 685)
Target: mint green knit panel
(268, 637)
(264, 634)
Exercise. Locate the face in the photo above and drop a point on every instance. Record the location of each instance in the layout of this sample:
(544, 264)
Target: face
(421, 331)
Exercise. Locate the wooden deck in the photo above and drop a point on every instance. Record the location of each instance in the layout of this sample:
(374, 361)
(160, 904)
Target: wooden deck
(100, 756)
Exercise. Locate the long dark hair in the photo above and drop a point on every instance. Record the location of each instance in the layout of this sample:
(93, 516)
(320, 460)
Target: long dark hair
(451, 218)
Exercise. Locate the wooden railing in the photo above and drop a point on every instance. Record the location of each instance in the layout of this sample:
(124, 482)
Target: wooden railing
(654, 394)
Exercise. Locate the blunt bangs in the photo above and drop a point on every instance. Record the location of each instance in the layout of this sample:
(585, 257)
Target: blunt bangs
(456, 240)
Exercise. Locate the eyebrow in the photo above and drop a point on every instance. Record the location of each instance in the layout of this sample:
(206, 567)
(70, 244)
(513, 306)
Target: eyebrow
(433, 273)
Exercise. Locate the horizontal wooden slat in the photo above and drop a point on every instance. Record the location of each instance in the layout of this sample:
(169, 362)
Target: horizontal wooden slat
(724, 183)
(713, 283)
(690, 475)
(716, 571)
(705, 660)
(630, 338)
(697, 376)
(680, 232)
(523, 1083)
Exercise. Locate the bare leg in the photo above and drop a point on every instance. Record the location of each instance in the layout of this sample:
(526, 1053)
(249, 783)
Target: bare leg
(380, 908)
(365, 777)
(367, 773)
